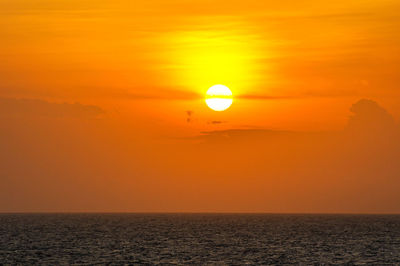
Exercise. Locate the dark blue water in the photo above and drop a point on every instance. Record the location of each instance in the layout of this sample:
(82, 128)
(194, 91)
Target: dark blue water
(199, 239)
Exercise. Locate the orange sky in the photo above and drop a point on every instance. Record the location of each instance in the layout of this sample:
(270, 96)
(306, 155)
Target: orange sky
(102, 106)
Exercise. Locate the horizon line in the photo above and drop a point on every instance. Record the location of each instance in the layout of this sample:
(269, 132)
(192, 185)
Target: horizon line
(203, 212)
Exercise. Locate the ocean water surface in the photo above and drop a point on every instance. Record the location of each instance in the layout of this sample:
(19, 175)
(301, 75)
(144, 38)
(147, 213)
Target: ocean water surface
(201, 239)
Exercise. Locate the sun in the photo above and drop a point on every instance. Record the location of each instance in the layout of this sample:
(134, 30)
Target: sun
(219, 98)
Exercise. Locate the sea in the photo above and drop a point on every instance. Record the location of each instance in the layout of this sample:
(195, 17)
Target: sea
(199, 239)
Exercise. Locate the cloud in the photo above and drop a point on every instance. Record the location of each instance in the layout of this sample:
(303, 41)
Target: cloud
(171, 94)
(36, 107)
(369, 118)
(305, 95)
(161, 95)
(245, 135)
(216, 122)
(265, 97)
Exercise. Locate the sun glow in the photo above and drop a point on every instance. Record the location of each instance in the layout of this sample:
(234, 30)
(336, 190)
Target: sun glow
(201, 58)
(219, 98)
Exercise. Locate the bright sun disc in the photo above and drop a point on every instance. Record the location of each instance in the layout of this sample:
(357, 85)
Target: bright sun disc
(219, 97)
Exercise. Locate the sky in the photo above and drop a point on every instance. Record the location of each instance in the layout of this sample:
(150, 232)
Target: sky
(102, 106)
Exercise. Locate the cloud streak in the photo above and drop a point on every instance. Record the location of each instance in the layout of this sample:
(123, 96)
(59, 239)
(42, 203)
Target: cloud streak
(161, 95)
(185, 95)
(36, 107)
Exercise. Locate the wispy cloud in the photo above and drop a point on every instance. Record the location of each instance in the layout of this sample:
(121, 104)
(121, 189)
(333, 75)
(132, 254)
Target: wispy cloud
(216, 122)
(161, 95)
(304, 95)
(265, 97)
(36, 107)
